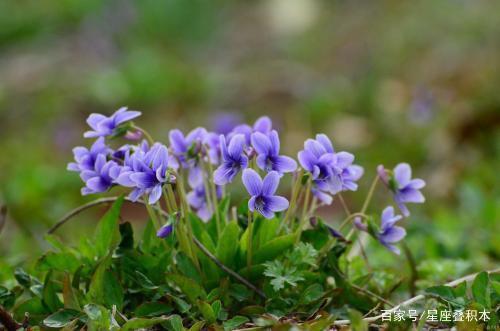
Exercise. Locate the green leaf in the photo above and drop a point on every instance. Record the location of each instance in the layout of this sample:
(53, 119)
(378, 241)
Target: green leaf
(153, 309)
(69, 295)
(127, 236)
(186, 267)
(445, 293)
(49, 294)
(61, 318)
(104, 287)
(197, 326)
(34, 308)
(142, 323)
(189, 287)
(234, 322)
(207, 312)
(174, 323)
(64, 261)
(274, 248)
(99, 318)
(107, 234)
(227, 246)
(357, 322)
(480, 289)
(24, 279)
(312, 293)
(282, 275)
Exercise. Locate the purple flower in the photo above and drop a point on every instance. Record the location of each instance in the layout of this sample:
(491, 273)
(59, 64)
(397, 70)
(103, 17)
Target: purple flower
(146, 172)
(262, 124)
(105, 126)
(389, 233)
(262, 192)
(223, 123)
(99, 179)
(331, 172)
(197, 199)
(405, 189)
(233, 159)
(319, 159)
(188, 151)
(165, 231)
(85, 158)
(268, 158)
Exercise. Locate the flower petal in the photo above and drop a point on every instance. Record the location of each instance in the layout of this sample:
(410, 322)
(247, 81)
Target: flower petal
(155, 194)
(402, 174)
(270, 183)
(284, 164)
(263, 124)
(261, 143)
(325, 141)
(416, 184)
(252, 181)
(94, 119)
(393, 234)
(275, 142)
(177, 141)
(307, 160)
(314, 147)
(276, 203)
(236, 145)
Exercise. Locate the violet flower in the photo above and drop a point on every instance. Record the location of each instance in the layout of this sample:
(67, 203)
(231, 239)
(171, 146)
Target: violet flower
(233, 159)
(389, 233)
(262, 193)
(106, 126)
(86, 158)
(146, 172)
(331, 172)
(197, 199)
(165, 231)
(262, 124)
(319, 159)
(268, 158)
(405, 189)
(99, 179)
(187, 150)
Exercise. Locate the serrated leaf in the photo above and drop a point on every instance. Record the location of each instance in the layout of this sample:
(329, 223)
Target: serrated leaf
(480, 289)
(235, 322)
(61, 318)
(107, 235)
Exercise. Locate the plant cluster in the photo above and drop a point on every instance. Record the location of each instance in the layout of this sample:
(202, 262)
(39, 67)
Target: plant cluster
(204, 260)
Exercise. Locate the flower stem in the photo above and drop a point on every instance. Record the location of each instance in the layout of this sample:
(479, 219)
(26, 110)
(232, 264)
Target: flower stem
(305, 208)
(293, 200)
(213, 191)
(250, 239)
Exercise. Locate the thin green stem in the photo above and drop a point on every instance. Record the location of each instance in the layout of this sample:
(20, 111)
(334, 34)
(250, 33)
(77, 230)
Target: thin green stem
(305, 208)
(293, 200)
(370, 194)
(171, 197)
(250, 239)
(167, 201)
(344, 205)
(213, 191)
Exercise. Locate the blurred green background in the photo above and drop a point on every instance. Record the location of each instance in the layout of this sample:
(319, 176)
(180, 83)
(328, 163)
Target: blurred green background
(389, 81)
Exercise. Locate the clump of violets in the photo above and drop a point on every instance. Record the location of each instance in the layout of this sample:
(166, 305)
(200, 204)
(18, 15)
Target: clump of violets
(206, 162)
